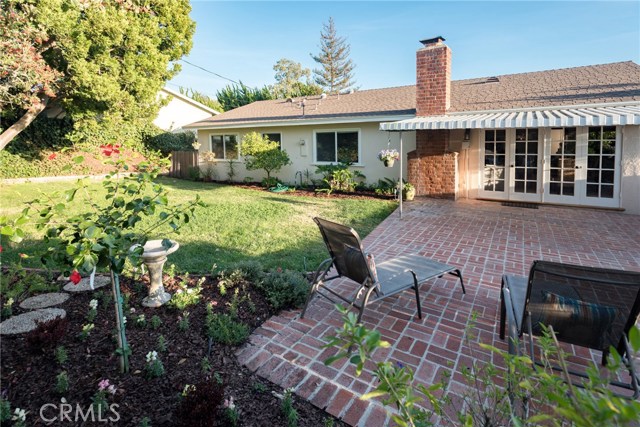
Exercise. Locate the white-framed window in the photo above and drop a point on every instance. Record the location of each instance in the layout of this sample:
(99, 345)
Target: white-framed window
(274, 137)
(225, 147)
(333, 146)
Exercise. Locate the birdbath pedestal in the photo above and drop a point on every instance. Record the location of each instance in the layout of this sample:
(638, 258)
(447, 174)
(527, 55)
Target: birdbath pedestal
(154, 257)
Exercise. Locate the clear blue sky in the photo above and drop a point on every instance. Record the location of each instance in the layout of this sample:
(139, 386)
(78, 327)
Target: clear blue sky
(243, 40)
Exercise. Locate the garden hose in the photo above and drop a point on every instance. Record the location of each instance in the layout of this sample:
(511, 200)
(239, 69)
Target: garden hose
(279, 188)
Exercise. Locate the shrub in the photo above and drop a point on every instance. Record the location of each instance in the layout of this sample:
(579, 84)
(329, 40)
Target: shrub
(47, 334)
(62, 382)
(284, 289)
(186, 296)
(199, 407)
(339, 178)
(261, 153)
(166, 142)
(224, 329)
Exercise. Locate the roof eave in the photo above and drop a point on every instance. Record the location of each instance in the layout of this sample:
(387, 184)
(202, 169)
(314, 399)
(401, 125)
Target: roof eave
(301, 122)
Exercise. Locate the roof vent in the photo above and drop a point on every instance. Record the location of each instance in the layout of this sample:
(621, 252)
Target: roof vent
(492, 80)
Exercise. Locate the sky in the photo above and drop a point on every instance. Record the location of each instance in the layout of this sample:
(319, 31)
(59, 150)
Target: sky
(243, 40)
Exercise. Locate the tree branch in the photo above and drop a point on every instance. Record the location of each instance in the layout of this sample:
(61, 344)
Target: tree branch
(8, 135)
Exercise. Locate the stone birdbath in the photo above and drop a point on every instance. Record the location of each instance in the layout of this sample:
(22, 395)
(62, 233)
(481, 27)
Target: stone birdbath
(154, 256)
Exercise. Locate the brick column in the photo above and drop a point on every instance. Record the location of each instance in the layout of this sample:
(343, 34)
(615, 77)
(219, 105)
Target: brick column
(431, 168)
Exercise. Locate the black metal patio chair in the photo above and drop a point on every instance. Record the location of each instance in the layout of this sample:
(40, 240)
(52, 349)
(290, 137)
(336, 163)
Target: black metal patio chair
(349, 260)
(586, 306)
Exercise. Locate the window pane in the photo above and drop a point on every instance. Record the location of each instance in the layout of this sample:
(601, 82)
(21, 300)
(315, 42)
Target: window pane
(609, 132)
(594, 133)
(348, 147)
(532, 187)
(532, 147)
(521, 134)
(521, 147)
(608, 147)
(489, 135)
(519, 187)
(606, 191)
(593, 176)
(231, 147)
(274, 137)
(326, 147)
(593, 162)
(570, 147)
(520, 160)
(594, 147)
(532, 161)
(533, 134)
(607, 177)
(532, 174)
(592, 190)
(501, 135)
(217, 147)
(519, 173)
(570, 134)
(554, 188)
(567, 189)
(499, 160)
(608, 162)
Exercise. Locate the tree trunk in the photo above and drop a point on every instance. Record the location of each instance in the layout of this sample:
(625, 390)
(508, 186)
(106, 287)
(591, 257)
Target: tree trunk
(7, 136)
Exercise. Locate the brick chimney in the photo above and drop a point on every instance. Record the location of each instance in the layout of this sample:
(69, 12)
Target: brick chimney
(431, 167)
(433, 78)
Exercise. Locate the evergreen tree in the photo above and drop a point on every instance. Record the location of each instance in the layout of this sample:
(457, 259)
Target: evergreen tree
(336, 73)
(201, 98)
(234, 96)
(102, 61)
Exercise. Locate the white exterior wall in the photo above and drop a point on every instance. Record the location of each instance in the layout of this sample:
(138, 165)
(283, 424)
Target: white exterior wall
(372, 141)
(630, 170)
(178, 113)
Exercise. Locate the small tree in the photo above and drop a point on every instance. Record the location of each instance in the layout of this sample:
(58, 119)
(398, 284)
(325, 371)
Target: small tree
(336, 73)
(261, 153)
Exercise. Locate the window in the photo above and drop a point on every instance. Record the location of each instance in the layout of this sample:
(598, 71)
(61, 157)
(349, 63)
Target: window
(224, 146)
(274, 137)
(337, 146)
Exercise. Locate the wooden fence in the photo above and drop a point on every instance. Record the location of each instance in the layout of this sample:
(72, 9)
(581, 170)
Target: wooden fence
(182, 162)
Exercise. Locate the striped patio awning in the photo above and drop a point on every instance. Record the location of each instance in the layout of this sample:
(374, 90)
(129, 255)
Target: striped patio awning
(594, 115)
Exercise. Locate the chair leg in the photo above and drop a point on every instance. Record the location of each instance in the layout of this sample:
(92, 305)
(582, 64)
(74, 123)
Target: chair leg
(365, 301)
(314, 289)
(417, 291)
(503, 311)
(319, 275)
(459, 274)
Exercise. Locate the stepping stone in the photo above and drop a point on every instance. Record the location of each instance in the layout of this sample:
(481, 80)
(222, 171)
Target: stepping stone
(83, 286)
(26, 322)
(44, 300)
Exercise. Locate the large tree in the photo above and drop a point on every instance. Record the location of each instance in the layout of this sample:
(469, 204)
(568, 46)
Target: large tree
(237, 95)
(289, 80)
(336, 72)
(102, 61)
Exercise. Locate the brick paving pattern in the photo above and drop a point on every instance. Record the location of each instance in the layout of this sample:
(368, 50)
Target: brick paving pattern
(485, 240)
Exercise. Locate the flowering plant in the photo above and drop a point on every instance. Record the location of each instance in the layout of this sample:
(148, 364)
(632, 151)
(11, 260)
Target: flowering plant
(196, 145)
(154, 367)
(100, 398)
(388, 154)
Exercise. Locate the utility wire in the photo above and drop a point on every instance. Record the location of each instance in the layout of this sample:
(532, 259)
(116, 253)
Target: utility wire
(210, 72)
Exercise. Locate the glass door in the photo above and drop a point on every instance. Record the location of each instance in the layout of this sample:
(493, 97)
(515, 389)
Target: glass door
(494, 171)
(524, 176)
(583, 166)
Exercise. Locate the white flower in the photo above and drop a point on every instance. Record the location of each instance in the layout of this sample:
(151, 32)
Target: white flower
(152, 356)
(228, 403)
(19, 415)
(124, 320)
(9, 302)
(140, 319)
(112, 389)
(132, 310)
(87, 328)
(196, 145)
(93, 304)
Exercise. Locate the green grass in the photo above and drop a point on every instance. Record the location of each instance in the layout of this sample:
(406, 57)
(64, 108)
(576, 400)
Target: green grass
(237, 224)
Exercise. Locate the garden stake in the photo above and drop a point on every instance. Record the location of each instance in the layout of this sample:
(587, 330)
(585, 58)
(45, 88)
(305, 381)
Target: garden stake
(122, 338)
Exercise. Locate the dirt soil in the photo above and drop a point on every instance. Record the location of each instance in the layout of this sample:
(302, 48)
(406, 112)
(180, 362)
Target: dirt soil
(28, 377)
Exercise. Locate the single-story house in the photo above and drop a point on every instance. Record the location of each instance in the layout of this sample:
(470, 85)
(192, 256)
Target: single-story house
(568, 136)
(180, 110)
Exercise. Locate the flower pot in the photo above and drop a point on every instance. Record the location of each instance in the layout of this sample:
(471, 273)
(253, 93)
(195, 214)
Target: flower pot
(388, 163)
(409, 194)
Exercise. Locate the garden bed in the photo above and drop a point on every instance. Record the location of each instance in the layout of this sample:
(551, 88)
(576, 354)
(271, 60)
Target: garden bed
(29, 376)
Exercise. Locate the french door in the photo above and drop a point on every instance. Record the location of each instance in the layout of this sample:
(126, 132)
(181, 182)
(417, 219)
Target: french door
(577, 166)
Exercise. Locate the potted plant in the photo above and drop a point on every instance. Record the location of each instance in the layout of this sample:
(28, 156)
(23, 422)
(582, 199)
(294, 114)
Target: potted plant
(388, 157)
(408, 191)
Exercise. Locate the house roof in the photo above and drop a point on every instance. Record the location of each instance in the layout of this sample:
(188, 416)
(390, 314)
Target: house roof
(594, 84)
(191, 101)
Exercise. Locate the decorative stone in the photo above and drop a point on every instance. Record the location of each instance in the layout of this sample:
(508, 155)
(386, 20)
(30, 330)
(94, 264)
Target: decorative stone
(84, 286)
(44, 300)
(26, 322)
(154, 257)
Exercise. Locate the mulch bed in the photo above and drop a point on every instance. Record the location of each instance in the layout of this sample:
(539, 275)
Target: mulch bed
(311, 192)
(28, 377)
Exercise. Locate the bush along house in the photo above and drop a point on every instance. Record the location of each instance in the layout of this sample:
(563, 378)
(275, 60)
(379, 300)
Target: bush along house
(567, 136)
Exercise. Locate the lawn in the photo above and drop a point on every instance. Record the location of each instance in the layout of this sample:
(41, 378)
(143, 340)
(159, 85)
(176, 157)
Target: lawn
(237, 224)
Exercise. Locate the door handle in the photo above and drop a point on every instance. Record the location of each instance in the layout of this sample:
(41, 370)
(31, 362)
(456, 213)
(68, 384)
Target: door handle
(578, 167)
(511, 166)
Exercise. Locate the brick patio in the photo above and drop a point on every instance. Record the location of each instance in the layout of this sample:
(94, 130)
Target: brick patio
(485, 240)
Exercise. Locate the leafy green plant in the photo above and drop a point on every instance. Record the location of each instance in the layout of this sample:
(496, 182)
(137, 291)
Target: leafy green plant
(141, 321)
(205, 365)
(86, 331)
(161, 344)
(261, 153)
(60, 354)
(224, 329)
(284, 288)
(339, 178)
(231, 173)
(194, 173)
(154, 367)
(7, 309)
(288, 410)
(259, 387)
(145, 422)
(166, 142)
(156, 322)
(62, 382)
(187, 296)
(183, 322)
(5, 410)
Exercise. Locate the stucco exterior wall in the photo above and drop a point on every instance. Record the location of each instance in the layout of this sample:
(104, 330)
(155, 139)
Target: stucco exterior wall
(630, 170)
(178, 113)
(372, 141)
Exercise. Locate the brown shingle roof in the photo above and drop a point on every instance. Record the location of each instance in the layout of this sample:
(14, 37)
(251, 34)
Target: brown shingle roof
(591, 84)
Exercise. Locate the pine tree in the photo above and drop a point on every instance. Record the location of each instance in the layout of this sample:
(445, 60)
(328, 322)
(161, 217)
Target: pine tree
(336, 73)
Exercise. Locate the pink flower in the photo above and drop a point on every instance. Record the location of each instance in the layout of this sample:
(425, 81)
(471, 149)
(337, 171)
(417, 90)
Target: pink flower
(103, 385)
(228, 403)
(75, 278)
(52, 156)
(0, 248)
(110, 149)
